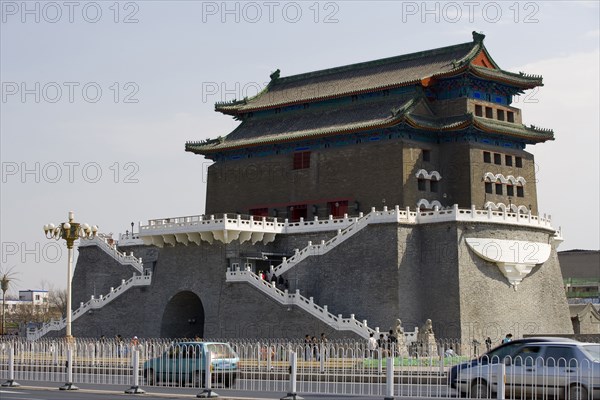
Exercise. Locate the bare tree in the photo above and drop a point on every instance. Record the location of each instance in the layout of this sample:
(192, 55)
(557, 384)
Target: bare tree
(57, 302)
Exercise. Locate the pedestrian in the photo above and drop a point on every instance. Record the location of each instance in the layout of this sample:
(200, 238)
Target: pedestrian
(372, 345)
(307, 349)
(507, 338)
(382, 345)
(392, 342)
(323, 345)
(488, 344)
(315, 348)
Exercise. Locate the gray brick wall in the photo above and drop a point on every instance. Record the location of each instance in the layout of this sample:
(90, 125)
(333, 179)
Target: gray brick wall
(384, 272)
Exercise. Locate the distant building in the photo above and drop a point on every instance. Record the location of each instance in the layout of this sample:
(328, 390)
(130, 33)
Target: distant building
(581, 274)
(585, 319)
(35, 297)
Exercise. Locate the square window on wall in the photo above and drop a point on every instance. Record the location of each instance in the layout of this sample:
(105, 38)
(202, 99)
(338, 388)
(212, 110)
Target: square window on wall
(499, 188)
(301, 160)
(422, 185)
(426, 155)
(508, 160)
(510, 190)
(487, 157)
(434, 186)
(497, 159)
(488, 187)
(520, 191)
(478, 110)
(500, 114)
(489, 112)
(518, 162)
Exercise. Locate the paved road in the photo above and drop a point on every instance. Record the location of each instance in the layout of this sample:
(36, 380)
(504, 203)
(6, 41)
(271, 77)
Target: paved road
(31, 390)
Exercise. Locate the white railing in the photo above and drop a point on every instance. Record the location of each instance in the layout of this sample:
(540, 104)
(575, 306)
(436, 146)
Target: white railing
(344, 368)
(110, 248)
(92, 304)
(354, 225)
(307, 304)
(249, 224)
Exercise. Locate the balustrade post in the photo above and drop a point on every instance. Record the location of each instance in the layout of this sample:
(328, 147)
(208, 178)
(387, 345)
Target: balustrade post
(293, 375)
(69, 385)
(389, 379)
(11, 368)
(207, 392)
(501, 391)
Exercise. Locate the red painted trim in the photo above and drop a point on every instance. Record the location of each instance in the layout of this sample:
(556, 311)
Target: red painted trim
(304, 202)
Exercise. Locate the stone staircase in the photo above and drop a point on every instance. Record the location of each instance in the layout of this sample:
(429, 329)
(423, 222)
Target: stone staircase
(296, 299)
(92, 304)
(394, 215)
(103, 243)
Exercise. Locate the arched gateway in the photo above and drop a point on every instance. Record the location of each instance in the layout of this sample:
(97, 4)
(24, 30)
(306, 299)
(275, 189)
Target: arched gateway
(183, 316)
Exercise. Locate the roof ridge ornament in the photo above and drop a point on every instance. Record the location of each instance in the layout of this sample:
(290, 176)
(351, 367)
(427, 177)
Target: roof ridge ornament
(478, 37)
(275, 75)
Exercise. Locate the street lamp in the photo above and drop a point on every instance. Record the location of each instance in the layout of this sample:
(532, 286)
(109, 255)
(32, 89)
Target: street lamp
(70, 231)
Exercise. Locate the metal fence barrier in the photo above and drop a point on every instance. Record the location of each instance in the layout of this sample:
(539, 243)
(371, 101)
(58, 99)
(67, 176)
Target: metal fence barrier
(340, 368)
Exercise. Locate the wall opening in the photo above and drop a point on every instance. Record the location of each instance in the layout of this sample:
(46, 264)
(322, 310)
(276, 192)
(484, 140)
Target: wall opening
(183, 317)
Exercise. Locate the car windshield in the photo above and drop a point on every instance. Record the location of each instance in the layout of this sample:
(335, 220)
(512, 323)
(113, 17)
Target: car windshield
(220, 351)
(593, 350)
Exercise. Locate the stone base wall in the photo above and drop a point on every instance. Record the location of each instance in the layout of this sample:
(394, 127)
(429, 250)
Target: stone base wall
(382, 273)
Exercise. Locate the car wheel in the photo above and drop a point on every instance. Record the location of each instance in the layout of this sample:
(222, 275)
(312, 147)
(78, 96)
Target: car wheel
(150, 377)
(479, 390)
(576, 392)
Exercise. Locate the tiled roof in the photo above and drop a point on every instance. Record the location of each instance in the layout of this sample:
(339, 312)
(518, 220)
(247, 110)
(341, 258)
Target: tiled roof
(531, 133)
(521, 79)
(304, 124)
(357, 78)
(362, 116)
(387, 73)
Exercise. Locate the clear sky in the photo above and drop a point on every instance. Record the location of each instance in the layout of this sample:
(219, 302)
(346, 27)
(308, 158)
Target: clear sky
(99, 98)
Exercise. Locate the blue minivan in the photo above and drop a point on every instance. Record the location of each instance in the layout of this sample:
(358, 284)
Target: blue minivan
(184, 363)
